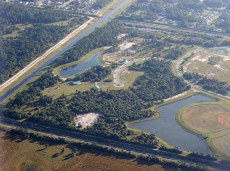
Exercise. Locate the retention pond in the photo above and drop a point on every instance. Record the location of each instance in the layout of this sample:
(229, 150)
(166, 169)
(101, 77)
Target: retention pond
(81, 67)
(167, 128)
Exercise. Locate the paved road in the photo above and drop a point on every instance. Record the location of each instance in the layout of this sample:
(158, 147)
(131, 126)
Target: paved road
(84, 137)
(67, 47)
(158, 26)
(118, 71)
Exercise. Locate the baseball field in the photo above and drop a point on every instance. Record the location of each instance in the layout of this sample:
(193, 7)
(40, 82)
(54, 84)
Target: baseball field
(211, 121)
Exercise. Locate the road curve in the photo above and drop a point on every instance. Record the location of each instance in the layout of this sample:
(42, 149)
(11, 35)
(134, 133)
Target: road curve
(67, 47)
(118, 71)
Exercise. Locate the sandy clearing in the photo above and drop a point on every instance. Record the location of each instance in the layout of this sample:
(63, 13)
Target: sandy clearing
(179, 95)
(201, 58)
(126, 45)
(86, 120)
(219, 67)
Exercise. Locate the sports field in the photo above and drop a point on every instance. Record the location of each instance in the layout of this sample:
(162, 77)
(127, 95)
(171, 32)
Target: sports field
(212, 120)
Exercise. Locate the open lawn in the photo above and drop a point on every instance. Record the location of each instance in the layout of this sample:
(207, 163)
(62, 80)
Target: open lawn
(211, 120)
(22, 155)
(128, 77)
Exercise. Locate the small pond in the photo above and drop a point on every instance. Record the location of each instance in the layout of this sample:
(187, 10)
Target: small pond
(167, 128)
(219, 51)
(73, 70)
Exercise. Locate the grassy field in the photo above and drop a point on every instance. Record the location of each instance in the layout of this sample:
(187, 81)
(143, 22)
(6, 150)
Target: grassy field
(23, 155)
(202, 119)
(127, 78)
(211, 64)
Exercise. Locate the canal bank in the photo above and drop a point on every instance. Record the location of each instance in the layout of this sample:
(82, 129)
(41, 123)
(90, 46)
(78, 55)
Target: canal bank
(83, 34)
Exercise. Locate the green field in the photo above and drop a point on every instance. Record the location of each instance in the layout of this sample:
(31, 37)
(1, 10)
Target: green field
(202, 119)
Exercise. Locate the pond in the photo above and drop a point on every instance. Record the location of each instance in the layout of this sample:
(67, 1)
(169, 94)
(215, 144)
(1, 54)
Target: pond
(73, 70)
(219, 51)
(167, 128)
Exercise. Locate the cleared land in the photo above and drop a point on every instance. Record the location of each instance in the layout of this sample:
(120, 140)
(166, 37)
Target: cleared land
(204, 119)
(18, 154)
(213, 63)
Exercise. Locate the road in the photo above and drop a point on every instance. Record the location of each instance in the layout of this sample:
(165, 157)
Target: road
(118, 71)
(82, 33)
(77, 136)
(171, 28)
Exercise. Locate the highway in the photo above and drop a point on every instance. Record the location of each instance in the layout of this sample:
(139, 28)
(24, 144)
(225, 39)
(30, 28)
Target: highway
(83, 137)
(83, 34)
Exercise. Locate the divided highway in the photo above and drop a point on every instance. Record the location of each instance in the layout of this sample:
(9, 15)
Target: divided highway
(87, 138)
(67, 47)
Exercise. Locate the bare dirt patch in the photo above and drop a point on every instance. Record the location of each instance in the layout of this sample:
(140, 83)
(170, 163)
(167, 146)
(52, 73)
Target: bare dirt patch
(86, 120)
(126, 45)
(211, 65)
(221, 119)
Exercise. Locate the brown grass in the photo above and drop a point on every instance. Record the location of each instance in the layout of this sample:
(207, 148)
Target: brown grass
(17, 154)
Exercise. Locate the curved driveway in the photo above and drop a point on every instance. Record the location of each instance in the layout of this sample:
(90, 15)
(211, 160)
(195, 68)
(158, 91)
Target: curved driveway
(118, 71)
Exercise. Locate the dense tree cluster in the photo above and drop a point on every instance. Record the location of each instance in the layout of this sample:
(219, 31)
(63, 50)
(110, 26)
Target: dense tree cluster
(17, 52)
(11, 14)
(101, 3)
(224, 21)
(183, 13)
(94, 74)
(208, 84)
(34, 90)
(33, 33)
(174, 53)
(158, 82)
(115, 107)
(104, 36)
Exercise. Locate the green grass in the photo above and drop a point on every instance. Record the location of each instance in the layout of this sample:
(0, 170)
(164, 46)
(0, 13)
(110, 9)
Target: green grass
(20, 28)
(208, 137)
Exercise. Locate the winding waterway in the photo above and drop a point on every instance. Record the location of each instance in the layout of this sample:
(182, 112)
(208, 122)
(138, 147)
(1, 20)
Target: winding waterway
(85, 33)
(73, 70)
(167, 128)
